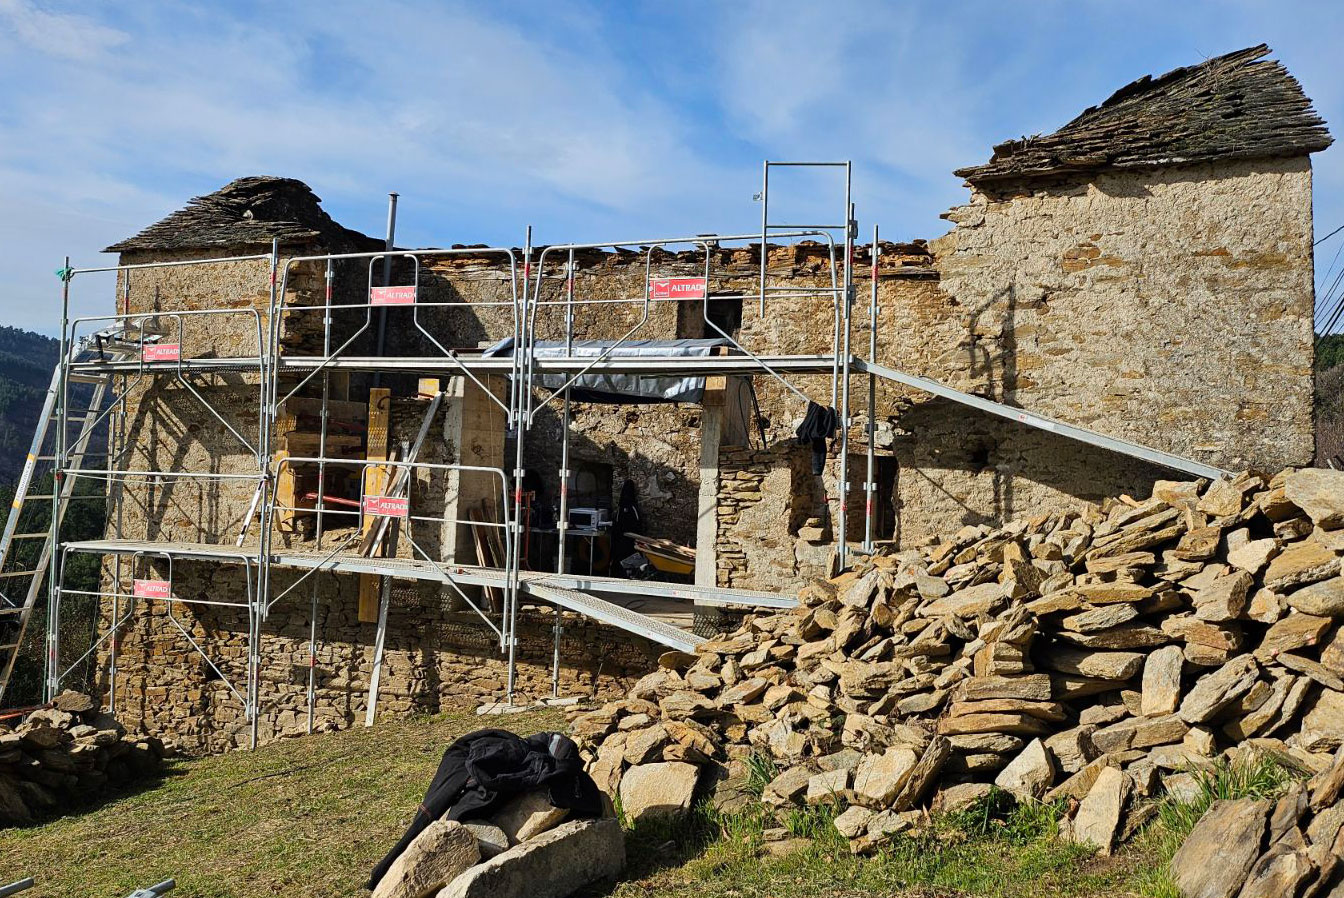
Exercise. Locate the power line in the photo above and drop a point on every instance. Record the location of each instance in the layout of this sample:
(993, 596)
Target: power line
(1328, 236)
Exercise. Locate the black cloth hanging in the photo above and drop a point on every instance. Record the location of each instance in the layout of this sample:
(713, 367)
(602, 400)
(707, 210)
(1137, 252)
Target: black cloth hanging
(628, 520)
(819, 425)
(482, 770)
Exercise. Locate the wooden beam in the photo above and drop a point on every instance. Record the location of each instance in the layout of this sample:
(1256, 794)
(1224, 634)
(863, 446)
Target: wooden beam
(286, 493)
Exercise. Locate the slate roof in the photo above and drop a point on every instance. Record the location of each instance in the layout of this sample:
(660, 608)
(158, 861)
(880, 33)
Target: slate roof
(1237, 106)
(249, 212)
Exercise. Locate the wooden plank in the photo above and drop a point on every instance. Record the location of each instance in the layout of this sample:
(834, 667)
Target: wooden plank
(375, 483)
(309, 444)
(494, 537)
(484, 557)
(370, 591)
(286, 493)
(376, 476)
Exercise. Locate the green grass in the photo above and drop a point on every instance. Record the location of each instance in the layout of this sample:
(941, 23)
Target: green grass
(995, 850)
(302, 818)
(1262, 777)
(307, 818)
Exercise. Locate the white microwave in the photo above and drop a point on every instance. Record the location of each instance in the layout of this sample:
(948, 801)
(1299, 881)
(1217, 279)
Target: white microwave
(589, 518)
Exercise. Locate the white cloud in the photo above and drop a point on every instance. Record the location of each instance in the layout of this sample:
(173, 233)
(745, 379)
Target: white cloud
(585, 120)
(65, 35)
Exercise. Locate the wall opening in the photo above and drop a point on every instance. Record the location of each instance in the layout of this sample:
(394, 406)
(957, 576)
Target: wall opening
(724, 312)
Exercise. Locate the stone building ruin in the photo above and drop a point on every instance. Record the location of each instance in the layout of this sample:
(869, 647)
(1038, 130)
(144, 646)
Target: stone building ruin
(1145, 272)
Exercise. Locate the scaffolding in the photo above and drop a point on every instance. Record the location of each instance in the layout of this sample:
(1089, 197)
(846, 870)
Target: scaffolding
(361, 536)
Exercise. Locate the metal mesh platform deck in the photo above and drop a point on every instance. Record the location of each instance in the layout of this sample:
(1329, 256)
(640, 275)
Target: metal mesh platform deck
(573, 592)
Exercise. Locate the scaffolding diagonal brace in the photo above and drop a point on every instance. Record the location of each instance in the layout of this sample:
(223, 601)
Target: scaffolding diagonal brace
(1041, 422)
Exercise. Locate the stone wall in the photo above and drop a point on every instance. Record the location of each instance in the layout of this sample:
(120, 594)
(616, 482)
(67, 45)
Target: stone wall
(1171, 307)
(438, 658)
(772, 532)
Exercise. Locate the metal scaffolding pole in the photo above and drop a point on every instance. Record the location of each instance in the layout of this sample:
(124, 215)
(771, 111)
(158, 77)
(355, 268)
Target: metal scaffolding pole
(54, 572)
(522, 422)
(312, 657)
(870, 482)
(562, 524)
(846, 305)
(269, 358)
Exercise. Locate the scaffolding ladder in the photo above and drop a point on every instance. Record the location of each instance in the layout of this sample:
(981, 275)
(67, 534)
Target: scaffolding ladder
(21, 572)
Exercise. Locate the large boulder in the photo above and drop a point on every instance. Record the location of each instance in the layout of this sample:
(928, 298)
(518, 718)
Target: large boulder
(527, 815)
(555, 864)
(436, 857)
(664, 789)
(1318, 492)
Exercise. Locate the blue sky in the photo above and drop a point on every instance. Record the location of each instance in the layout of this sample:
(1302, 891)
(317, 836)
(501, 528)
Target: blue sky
(587, 120)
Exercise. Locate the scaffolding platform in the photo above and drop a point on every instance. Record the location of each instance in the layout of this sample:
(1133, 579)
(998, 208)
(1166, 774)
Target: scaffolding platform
(574, 592)
(707, 366)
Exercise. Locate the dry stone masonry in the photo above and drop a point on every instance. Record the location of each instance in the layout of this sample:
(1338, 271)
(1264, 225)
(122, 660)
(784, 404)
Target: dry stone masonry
(1098, 656)
(66, 754)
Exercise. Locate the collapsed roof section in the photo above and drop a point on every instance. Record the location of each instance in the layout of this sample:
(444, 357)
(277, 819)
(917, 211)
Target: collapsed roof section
(1237, 106)
(250, 212)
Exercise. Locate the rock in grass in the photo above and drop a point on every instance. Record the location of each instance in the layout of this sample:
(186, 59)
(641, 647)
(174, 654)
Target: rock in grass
(1099, 815)
(853, 821)
(570, 858)
(880, 778)
(1030, 774)
(1217, 856)
(441, 852)
(658, 790)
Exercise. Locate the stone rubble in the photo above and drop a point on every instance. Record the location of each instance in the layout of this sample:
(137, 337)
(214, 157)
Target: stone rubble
(66, 754)
(525, 849)
(1096, 656)
(1291, 847)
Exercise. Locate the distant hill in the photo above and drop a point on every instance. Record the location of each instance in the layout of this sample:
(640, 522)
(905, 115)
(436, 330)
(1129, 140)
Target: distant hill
(26, 362)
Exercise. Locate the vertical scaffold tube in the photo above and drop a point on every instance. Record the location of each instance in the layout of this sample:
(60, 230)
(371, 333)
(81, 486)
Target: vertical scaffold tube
(870, 484)
(847, 303)
(260, 595)
(56, 563)
(524, 401)
(312, 657)
(562, 522)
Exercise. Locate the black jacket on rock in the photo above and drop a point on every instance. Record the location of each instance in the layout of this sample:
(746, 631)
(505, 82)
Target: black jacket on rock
(483, 770)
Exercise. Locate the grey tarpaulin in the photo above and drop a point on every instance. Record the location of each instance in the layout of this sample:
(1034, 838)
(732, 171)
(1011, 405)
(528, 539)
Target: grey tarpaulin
(624, 388)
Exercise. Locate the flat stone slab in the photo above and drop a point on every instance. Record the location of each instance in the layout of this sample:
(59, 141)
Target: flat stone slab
(664, 789)
(527, 815)
(1218, 854)
(555, 864)
(436, 857)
